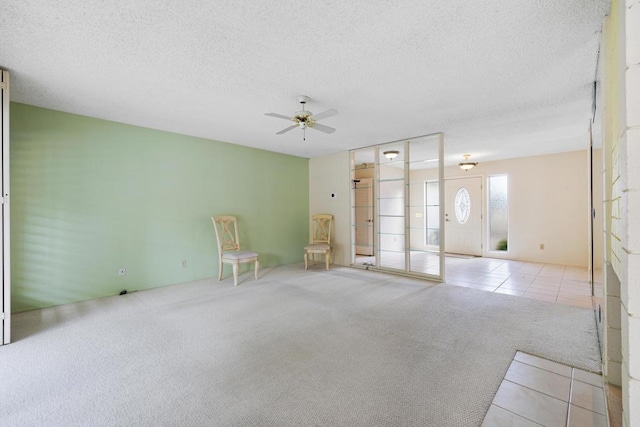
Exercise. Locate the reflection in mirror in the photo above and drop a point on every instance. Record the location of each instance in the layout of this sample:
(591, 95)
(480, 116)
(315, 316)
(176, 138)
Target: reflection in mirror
(362, 206)
(391, 199)
(396, 213)
(424, 207)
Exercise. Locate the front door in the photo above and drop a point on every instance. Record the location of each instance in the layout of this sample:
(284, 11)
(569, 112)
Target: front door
(463, 216)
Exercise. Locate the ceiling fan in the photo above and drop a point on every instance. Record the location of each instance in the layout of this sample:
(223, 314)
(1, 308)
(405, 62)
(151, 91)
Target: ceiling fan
(306, 119)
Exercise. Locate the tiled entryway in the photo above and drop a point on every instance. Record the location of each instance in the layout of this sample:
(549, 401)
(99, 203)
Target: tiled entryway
(537, 392)
(563, 284)
(557, 283)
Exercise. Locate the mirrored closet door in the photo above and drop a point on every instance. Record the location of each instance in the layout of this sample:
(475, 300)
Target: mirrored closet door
(396, 214)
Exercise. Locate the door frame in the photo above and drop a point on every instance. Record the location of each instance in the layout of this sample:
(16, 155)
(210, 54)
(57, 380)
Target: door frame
(6, 270)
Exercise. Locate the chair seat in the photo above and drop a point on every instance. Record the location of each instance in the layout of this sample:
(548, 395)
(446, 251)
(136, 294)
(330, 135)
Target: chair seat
(226, 228)
(239, 255)
(317, 247)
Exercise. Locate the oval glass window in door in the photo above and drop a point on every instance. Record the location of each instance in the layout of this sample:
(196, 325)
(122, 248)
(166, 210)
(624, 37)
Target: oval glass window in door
(462, 205)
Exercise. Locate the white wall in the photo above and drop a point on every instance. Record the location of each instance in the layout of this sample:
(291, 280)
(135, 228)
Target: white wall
(548, 204)
(331, 175)
(612, 116)
(630, 268)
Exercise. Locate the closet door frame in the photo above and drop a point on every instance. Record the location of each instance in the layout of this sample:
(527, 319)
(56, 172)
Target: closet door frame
(6, 252)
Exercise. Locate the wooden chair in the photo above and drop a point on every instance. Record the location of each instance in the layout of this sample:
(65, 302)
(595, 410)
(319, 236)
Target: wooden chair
(320, 239)
(229, 252)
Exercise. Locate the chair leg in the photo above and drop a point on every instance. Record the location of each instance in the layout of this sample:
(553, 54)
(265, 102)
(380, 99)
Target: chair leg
(220, 270)
(256, 268)
(327, 256)
(306, 267)
(235, 274)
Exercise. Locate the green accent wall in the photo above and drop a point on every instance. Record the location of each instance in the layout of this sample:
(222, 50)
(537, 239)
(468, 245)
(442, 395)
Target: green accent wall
(89, 196)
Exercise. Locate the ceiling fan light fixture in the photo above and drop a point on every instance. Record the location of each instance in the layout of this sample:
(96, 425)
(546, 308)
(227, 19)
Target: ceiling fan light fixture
(305, 119)
(391, 154)
(466, 165)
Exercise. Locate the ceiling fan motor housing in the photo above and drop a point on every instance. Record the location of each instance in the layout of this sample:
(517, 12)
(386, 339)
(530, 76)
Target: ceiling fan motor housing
(303, 118)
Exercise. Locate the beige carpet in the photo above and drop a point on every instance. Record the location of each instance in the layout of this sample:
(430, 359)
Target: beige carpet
(304, 348)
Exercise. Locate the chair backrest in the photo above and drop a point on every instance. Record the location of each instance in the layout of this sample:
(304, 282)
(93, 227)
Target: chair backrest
(226, 232)
(321, 228)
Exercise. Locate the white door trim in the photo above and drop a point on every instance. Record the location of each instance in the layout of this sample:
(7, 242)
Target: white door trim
(6, 252)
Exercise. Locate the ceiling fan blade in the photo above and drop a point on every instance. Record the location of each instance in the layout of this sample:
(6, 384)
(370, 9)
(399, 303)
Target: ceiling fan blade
(324, 114)
(286, 129)
(279, 116)
(322, 128)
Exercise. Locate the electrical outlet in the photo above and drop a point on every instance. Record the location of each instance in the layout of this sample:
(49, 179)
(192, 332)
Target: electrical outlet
(542, 246)
(183, 263)
(122, 271)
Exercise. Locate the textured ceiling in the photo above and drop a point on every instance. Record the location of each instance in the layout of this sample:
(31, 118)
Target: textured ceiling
(501, 78)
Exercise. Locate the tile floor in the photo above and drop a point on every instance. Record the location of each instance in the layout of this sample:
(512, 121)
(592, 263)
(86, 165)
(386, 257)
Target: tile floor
(538, 392)
(557, 283)
(563, 284)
